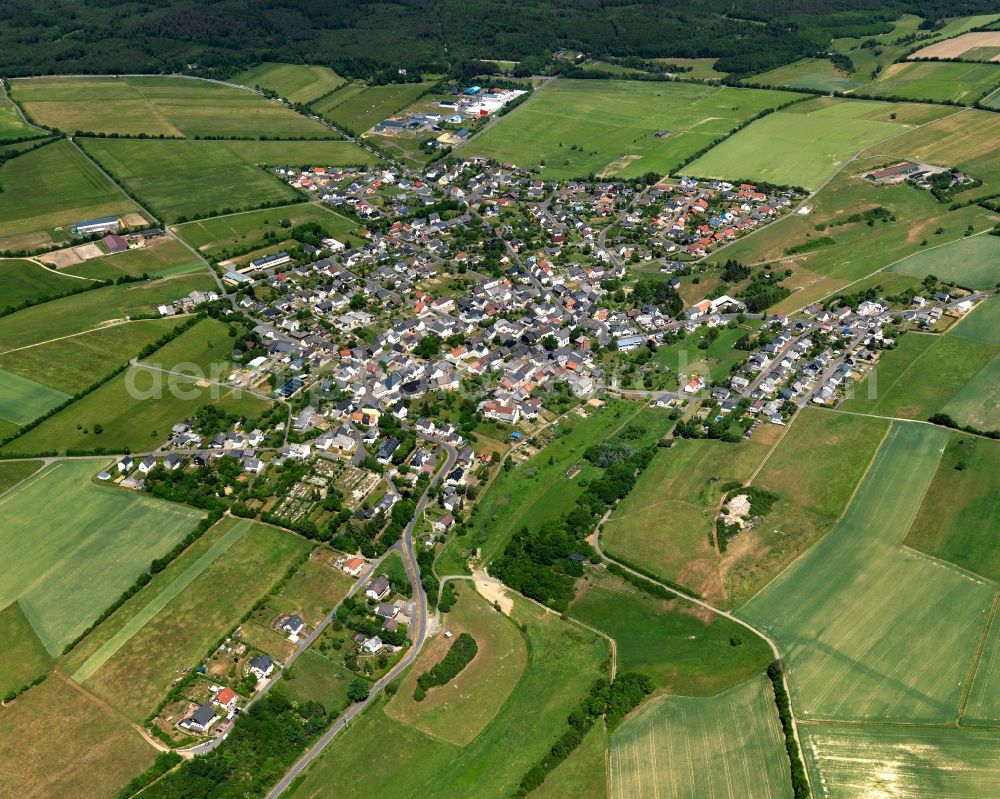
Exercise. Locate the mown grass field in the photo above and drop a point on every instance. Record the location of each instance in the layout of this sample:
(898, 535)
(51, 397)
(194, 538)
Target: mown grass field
(46, 191)
(24, 655)
(721, 747)
(152, 104)
(459, 711)
(582, 127)
(316, 678)
(66, 561)
(417, 765)
(870, 630)
(972, 262)
(29, 281)
(300, 83)
(11, 124)
(980, 324)
(800, 146)
(682, 648)
(920, 376)
(314, 589)
(72, 364)
(937, 81)
(666, 523)
(134, 668)
(358, 107)
(164, 256)
(715, 362)
(23, 400)
(977, 404)
(851, 761)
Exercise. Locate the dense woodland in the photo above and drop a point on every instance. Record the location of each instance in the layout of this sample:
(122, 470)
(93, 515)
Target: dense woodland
(362, 38)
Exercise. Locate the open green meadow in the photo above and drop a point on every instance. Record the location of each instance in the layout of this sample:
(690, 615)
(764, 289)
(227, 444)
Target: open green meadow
(977, 404)
(201, 350)
(300, 83)
(937, 81)
(667, 522)
(24, 655)
(869, 629)
(417, 765)
(157, 105)
(133, 669)
(163, 256)
(66, 561)
(605, 127)
(82, 312)
(715, 362)
(972, 262)
(459, 711)
(681, 647)
(314, 589)
(75, 363)
(722, 747)
(808, 73)
(800, 146)
(584, 774)
(920, 376)
(980, 324)
(852, 761)
(317, 678)
(29, 281)
(357, 107)
(46, 191)
(23, 400)
(11, 124)
(13, 472)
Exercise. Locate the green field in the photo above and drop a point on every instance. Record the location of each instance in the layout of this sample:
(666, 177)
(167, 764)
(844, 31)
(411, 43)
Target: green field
(852, 761)
(980, 324)
(200, 351)
(682, 648)
(47, 190)
(317, 678)
(937, 81)
(581, 127)
(983, 705)
(801, 146)
(300, 83)
(977, 404)
(96, 541)
(715, 362)
(920, 376)
(75, 363)
(23, 400)
(164, 256)
(869, 629)
(358, 107)
(584, 774)
(722, 747)
(29, 281)
(972, 262)
(177, 179)
(808, 73)
(155, 105)
(13, 472)
(24, 655)
(11, 124)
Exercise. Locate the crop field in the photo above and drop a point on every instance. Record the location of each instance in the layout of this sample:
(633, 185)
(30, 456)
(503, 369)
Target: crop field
(937, 81)
(420, 766)
(23, 400)
(682, 648)
(172, 106)
(95, 542)
(959, 46)
(977, 404)
(851, 761)
(212, 236)
(801, 146)
(300, 83)
(13, 472)
(981, 324)
(72, 364)
(972, 262)
(357, 107)
(808, 73)
(29, 281)
(46, 191)
(459, 711)
(24, 655)
(983, 705)
(722, 747)
(581, 127)
(920, 376)
(870, 630)
(134, 668)
(163, 256)
(666, 523)
(82, 312)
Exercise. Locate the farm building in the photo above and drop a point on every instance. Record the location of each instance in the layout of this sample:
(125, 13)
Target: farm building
(115, 243)
(106, 224)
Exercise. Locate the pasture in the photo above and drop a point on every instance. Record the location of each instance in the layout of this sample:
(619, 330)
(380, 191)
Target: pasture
(575, 128)
(24, 655)
(977, 404)
(358, 107)
(584, 774)
(808, 73)
(972, 262)
(868, 629)
(300, 83)
(460, 710)
(12, 126)
(726, 746)
(23, 400)
(936, 81)
(66, 561)
(981, 324)
(46, 191)
(851, 761)
(29, 281)
(800, 146)
(155, 105)
(162, 256)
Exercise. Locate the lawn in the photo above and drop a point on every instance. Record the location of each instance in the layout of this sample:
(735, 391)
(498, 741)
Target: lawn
(972, 262)
(174, 629)
(46, 191)
(316, 678)
(801, 146)
(981, 324)
(715, 362)
(162, 256)
(721, 747)
(24, 655)
(667, 522)
(851, 761)
(920, 376)
(936, 81)
(29, 281)
(959, 516)
(154, 105)
(460, 710)
(813, 492)
(95, 542)
(868, 629)
(681, 647)
(419, 766)
(300, 83)
(72, 364)
(23, 400)
(978, 403)
(358, 108)
(608, 127)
